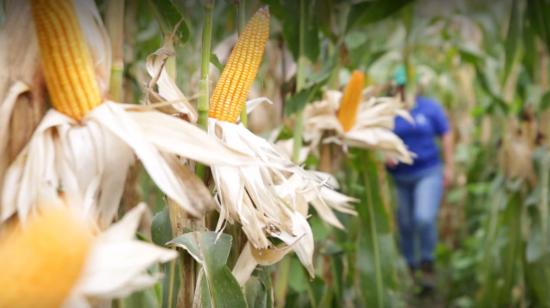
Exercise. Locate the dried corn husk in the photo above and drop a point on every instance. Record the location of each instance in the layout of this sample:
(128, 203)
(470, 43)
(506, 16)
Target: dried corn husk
(372, 128)
(22, 102)
(76, 265)
(516, 153)
(272, 199)
(91, 157)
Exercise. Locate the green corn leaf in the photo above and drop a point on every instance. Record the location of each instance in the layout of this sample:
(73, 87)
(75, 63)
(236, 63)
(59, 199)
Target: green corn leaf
(513, 38)
(211, 250)
(216, 61)
(545, 101)
(288, 13)
(298, 101)
(161, 233)
(376, 255)
(170, 14)
(364, 13)
(258, 289)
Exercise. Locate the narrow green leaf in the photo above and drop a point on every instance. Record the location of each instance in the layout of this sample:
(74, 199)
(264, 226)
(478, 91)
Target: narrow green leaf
(364, 13)
(376, 256)
(282, 280)
(169, 14)
(161, 231)
(204, 291)
(513, 38)
(252, 291)
(538, 11)
(288, 13)
(216, 61)
(145, 298)
(503, 250)
(529, 47)
(545, 101)
(258, 289)
(211, 250)
(297, 278)
(299, 100)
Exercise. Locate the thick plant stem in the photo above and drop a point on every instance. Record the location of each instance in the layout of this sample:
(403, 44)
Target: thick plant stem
(115, 26)
(172, 284)
(542, 79)
(204, 92)
(205, 64)
(300, 80)
(379, 282)
(241, 14)
(181, 223)
(281, 284)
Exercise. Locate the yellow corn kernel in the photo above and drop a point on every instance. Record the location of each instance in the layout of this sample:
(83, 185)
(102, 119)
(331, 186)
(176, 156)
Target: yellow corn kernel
(66, 61)
(229, 96)
(43, 260)
(350, 100)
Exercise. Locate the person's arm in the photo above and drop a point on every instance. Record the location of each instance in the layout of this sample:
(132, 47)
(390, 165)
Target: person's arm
(447, 145)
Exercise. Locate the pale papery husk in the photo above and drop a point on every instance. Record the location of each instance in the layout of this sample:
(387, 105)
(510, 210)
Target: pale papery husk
(83, 266)
(251, 257)
(118, 263)
(90, 158)
(285, 147)
(517, 143)
(22, 89)
(271, 199)
(372, 128)
(166, 88)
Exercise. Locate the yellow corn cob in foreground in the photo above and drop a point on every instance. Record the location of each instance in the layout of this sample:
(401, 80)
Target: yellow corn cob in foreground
(350, 100)
(66, 61)
(42, 261)
(230, 94)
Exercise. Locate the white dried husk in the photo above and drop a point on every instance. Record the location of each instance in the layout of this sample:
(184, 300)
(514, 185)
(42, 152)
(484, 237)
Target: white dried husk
(372, 128)
(22, 91)
(67, 158)
(271, 199)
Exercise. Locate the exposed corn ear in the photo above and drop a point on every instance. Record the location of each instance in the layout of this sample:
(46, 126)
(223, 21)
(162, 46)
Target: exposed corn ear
(229, 96)
(350, 100)
(43, 260)
(66, 61)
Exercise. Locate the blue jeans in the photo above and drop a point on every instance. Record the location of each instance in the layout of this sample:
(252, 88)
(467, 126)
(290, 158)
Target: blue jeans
(418, 198)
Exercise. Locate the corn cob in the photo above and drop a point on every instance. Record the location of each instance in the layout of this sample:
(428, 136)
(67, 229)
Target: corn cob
(42, 262)
(350, 100)
(229, 96)
(66, 61)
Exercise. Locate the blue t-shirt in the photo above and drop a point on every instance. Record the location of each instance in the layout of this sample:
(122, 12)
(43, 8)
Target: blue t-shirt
(430, 122)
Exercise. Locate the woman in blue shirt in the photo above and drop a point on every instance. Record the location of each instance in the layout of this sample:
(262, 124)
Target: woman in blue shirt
(420, 186)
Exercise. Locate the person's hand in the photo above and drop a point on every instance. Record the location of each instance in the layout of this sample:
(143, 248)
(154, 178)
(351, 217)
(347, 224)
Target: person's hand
(448, 176)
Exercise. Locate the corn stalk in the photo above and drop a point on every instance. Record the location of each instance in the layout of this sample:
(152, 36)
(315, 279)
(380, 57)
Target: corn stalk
(204, 94)
(376, 223)
(300, 82)
(114, 22)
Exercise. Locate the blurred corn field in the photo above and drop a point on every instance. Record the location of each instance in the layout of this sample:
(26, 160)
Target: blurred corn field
(231, 153)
